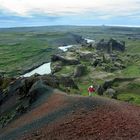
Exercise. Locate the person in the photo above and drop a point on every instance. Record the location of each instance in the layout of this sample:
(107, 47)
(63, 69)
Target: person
(91, 90)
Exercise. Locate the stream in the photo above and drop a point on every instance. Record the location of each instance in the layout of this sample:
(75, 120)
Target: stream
(46, 68)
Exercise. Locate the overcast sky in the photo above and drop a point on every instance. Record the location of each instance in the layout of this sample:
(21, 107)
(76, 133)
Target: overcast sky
(15, 13)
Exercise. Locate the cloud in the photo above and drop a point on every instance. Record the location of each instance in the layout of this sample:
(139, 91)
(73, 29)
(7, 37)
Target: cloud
(65, 12)
(67, 7)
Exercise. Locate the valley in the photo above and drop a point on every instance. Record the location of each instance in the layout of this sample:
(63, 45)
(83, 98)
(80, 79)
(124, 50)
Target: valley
(45, 73)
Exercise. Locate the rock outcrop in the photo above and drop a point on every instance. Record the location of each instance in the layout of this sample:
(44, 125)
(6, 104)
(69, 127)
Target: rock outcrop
(1, 79)
(67, 81)
(111, 93)
(87, 56)
(64, 60)
(37, 89)
(108, 84)
(66, 39)
(111, 45)
(56, 67)
(80, 70)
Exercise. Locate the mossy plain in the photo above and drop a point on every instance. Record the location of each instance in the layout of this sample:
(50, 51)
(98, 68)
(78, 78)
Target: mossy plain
(24, 48)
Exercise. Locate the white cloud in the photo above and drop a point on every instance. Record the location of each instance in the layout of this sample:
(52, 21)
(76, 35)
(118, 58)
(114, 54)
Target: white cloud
(55, 7)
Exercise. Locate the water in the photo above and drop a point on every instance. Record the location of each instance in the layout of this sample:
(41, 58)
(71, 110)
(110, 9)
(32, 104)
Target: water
(46, 68)
(65, 48)
(43, 69)
(89, 40)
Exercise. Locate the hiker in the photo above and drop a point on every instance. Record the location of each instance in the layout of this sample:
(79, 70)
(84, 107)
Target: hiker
(91, 89)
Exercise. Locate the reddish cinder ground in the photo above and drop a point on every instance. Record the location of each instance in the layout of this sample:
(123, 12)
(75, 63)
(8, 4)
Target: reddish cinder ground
(81, 118)
(103, 123)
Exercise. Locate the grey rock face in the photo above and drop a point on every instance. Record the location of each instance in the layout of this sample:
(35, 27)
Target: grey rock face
(111, 45)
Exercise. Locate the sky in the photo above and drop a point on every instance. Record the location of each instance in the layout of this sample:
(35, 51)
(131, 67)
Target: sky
(21, 13)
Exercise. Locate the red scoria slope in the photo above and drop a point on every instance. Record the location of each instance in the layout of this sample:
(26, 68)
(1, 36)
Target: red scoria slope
(64, 117)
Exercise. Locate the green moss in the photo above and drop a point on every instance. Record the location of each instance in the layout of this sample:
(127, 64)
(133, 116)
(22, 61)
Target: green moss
(133, 70)
(129, 97)
(66, 70)
(133, 86)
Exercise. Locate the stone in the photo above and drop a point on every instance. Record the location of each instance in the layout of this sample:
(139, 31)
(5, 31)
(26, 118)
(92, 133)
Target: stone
(56, 67)
(86, 56)
(68, 82)
(97, 62)
(1, 79)
(111, 45)
(79, 71)
(65, 61)
(51, 80)
(100, 90)
(110, 93)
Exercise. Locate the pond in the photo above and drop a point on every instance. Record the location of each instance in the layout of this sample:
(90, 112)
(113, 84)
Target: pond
(46, 68)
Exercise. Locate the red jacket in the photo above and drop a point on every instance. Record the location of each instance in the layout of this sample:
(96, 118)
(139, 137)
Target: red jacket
(90, 89)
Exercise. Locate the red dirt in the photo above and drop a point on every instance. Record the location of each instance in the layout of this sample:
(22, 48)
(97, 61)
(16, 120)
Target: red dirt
(112, 120)
(54, 102)
(103, 123)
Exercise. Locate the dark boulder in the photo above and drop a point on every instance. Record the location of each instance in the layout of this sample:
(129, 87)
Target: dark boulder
(100, 90)
(51, 80)
(1, 79)
(79, 71)
(56, 67)
(87, 56)
(96, 62)
(108, 84)
(67, 81)
(111, 93)
(1, 96)
(65, 61)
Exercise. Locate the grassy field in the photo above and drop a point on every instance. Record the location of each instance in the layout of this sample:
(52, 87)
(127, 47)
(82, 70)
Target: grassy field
(19, 51)
(23, 48)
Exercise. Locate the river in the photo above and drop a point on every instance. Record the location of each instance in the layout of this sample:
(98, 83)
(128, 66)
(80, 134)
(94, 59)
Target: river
(46, 68)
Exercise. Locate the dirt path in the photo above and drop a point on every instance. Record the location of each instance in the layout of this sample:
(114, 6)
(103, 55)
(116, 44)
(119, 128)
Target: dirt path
(76, 118)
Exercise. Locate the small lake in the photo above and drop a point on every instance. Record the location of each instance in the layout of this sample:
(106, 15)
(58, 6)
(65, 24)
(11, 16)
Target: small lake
(65, 48)
(43, 69)
(89, 40)
(46, 68)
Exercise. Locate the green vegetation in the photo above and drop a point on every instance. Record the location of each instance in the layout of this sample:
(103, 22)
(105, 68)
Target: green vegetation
(129, 97)
(24, 48)
(66, 70)
(133, 46)
(20, 52)
(134, 86)
(132, 71)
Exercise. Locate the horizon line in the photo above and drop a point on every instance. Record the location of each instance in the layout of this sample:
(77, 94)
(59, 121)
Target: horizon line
(103, 25)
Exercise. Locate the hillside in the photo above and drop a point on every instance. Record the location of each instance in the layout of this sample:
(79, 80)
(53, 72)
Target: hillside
(56, 105)
(19, 49)
(74, 117)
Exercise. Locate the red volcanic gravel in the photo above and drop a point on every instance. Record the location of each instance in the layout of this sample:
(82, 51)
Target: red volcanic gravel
(109, 122)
